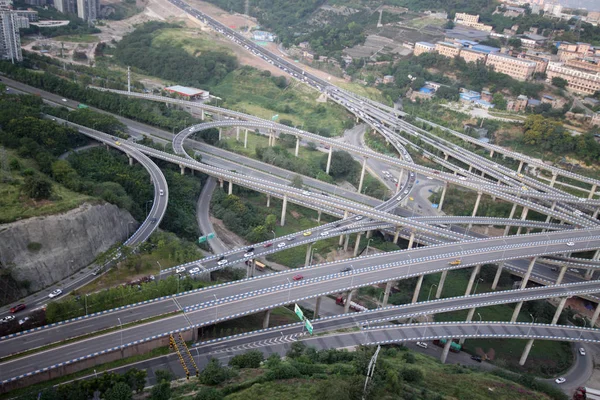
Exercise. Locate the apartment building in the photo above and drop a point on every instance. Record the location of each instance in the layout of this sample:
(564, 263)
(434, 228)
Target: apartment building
(88, 10)
(423, 47)
(516, 68)
(541, 61)
(66, 6)
(587, 64)
(578, 81)
(10, 42)
(446, 49)
(471, 21)
(471, 55)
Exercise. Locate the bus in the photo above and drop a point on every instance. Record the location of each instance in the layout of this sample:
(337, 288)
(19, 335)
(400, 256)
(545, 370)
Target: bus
(259, 266)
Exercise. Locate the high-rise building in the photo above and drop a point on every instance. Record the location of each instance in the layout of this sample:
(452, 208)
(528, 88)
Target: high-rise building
(66, 6)
(87, 10)
(10, 42)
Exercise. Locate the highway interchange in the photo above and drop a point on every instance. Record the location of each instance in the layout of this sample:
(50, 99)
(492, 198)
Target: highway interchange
(218, 303)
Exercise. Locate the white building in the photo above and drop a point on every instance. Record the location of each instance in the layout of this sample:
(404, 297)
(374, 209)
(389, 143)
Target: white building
(10, 42)
(87, 10)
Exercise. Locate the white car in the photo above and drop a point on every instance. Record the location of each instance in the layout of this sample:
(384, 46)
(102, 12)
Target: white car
(462, 178)
(581, 351)
(358, 218)
(248, 254)
(65, 100)
(22, 321)
(194, 271)
(570, 244)
(282, 244)
(222, 262)
(560, 380)
(55, 293)
(180, 270)
(306, 192)
(422, 345)
(7, 318)
(324, 233)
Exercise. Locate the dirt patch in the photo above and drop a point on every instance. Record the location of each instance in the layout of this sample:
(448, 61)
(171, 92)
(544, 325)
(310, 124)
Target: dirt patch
(228, 237)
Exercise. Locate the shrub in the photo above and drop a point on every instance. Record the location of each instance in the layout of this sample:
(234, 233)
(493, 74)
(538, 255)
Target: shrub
(251, 359)
(34, 246)
(411, 374)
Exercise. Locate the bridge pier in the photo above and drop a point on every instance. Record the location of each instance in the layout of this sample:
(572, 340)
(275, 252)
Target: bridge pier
(411, 240)
(266, 319)
(348, 300)
(528, 273)
(317, 307)
(521, 163)
(202, 114)
(237, 133)
(268, 200)
(221, 183)
(283, 208)
(417, 289)
(446, 350)
(230, 188)
(329, 160)
(596, 213)
(438, 292)
(549, 217)
(386, 293)
(526, 352)
(523, 217)
(477, 201)
(561, 274)
(396, 235)
(595, 316)
(497, 276)
(469, 319)
(512, 214)
(130, 160)
(516, 311)
(491, 153)
(474, 274)
(250, 270)
(307, 257)
(369, 234)
(220, 134)
(182, 168)
(559, 309)
(592, 192)
(443, 196)
(553, 181)
(357, 244)
(297, 145)
(319, 217)
(246, 138)
(362, 175)
(346, 242)
(445, 156)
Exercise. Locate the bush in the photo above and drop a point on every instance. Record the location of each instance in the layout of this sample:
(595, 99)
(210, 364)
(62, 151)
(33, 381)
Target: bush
(34, 246)
(411, 375)
(215, 373)
(208, 393)
(282, 371)
(251, 359)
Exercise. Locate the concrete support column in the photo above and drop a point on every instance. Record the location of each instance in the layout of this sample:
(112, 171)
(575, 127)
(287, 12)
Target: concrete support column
(477, 201)
(561, 275)
(220, 133)
(317, 307)
(497, 276)
(516, 312)
(417, 289)
(283, 208)
(443, 196)
(230, 187)
(559, 309)
(268, 200)
(588, 273)
(445, 351)
(246, 139)
(130, 160)
(362, 175)
(411, 240)
(266, 319)
(445, 156)
(469, 319)
(308, 251)
(348, 300)
(386, 293)
(346, 242)
(369, 234)
(341, 242)
(549, 217)
(523, 217)
(521, 163)
(319, 217)
(396, 235)
(470, 168)
(592, 192)
(202, 114)
(440, 286)
(526, 352)
(297, 145)
(528, 273)
(357, 244)
(474, 274)
(512, 214)
(221, 183)
(237, 133)
(329, 160)
(596, 213)
(182, 168)
(552, 182)
(491, 153)
(595, 316)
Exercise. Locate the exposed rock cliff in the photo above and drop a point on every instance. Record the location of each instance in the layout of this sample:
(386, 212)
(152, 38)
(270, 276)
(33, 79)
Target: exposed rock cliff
(44, 250)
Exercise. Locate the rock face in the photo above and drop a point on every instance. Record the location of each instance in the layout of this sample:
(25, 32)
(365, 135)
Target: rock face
(44, 250)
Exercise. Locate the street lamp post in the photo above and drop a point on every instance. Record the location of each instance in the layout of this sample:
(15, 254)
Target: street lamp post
(431, 287)
(532, 322)
(311, 255)
(477, 283)
(121, 325)
(477, 330)
(85, 301)
(274, 236)
(159, 270)
(367, 249)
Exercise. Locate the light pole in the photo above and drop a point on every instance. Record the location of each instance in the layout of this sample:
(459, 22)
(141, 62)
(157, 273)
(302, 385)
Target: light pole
(85, 301)
(159, 270)
(426, 322)
(431, 287)
(532, 322)
(477, 330)
(367, 249)
(311, 255)
(274, 236)
(477, 283)
(121, 325)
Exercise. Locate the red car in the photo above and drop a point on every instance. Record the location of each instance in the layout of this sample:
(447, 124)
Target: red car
(297, 277)
(18, 307)
(268, 244)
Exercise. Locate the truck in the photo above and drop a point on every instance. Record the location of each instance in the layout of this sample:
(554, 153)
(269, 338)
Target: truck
(454, 347)
(341, 301)
(586, 393)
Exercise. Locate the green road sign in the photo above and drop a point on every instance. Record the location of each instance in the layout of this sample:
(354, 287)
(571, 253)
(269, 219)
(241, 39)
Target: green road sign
(298, 312)
(309, 326)
(202, 239)
(210, 235)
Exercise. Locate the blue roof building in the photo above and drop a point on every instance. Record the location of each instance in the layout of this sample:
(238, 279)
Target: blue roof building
(486, 49)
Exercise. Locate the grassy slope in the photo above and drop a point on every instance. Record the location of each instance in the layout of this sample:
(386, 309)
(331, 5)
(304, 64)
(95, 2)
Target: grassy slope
(15, 206)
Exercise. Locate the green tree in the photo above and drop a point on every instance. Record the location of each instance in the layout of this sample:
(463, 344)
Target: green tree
(250, 359)
(214, 373)
(270, 222)
(208, 393)
(342, 164)
(37, 187)
(297, 182)
(119, 391)
(161, 391)
(559, 82)
(412, 375)
(499, 101)
(64, 173)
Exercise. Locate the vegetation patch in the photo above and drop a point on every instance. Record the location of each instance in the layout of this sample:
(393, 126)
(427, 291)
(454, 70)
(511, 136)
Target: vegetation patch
(34, 246)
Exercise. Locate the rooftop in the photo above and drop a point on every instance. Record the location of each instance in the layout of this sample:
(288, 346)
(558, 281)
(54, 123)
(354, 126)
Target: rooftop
(187, 91)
